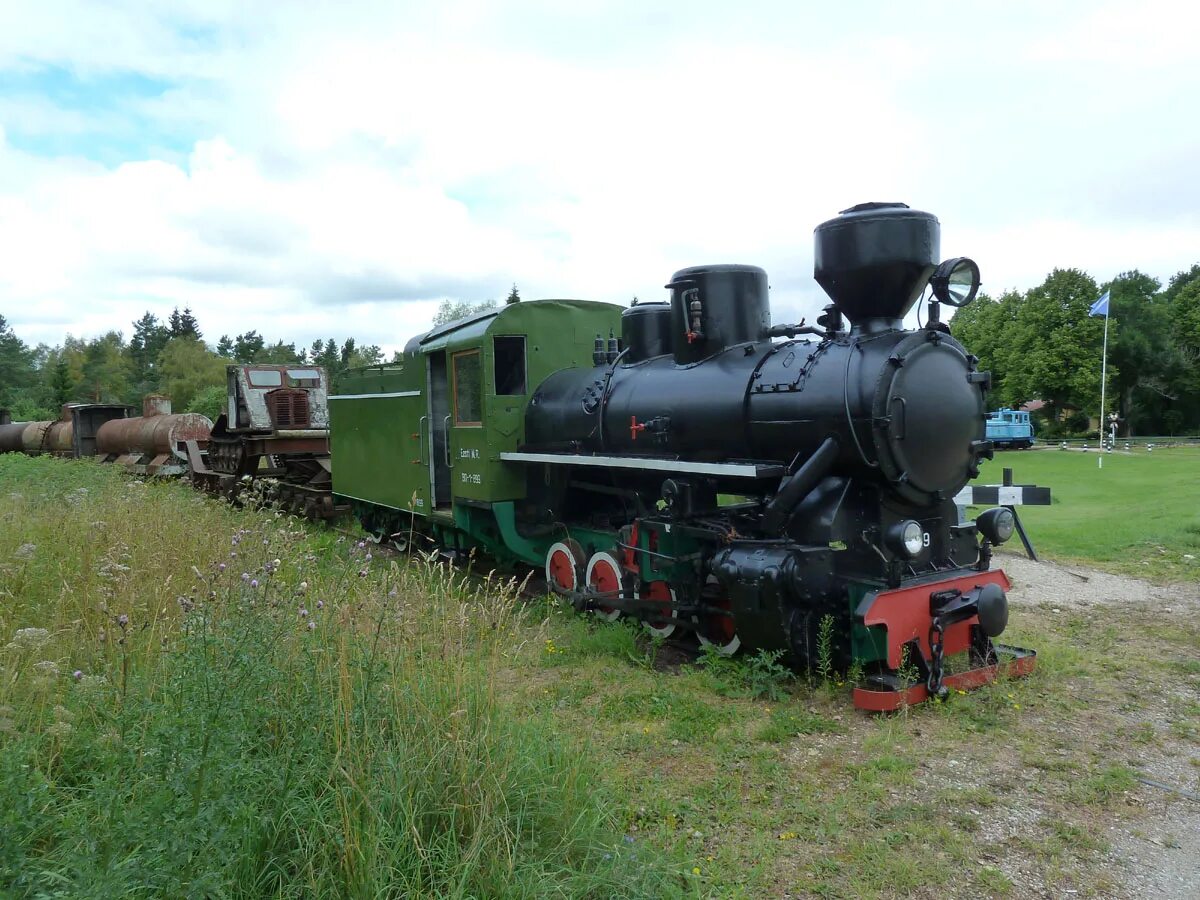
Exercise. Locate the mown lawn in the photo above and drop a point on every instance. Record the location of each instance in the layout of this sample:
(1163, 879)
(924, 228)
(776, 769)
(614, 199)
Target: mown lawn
(430, 737)
(1139, 514)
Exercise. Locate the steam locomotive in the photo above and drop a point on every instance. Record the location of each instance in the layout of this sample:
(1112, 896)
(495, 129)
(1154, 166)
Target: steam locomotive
(784, 487)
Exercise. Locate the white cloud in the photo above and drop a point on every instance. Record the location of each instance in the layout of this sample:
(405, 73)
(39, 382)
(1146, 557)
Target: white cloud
(348, 165)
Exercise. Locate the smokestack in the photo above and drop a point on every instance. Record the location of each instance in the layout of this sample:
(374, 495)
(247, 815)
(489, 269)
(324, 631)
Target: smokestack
(874, 261)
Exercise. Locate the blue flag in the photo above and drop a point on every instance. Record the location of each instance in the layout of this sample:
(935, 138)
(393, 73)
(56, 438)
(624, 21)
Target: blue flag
(1100, 307)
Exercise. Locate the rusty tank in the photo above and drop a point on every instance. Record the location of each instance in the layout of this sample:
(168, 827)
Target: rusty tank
(10, 433)
(157, 432)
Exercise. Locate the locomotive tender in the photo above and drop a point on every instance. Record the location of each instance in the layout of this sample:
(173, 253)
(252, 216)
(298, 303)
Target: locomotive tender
(712, 473)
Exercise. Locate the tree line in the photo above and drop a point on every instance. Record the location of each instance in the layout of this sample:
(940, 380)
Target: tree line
(1039, 345)
(168, 357)
(1043, 345)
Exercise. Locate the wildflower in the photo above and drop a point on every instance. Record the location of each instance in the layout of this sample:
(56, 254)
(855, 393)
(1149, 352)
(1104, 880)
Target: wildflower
(59, 729)
(236, 540)
(47, 667)
(320, 604)
(62, 714)
(276, 563)
(253, 582)
(312, 626)
(123, 620)
(30, 639)
(695, 870)
(362, 573)
(787, 836)
(221, 567)
(77, 675)
(245, 576)
(303, 613)
(303, 587)
(369, 557)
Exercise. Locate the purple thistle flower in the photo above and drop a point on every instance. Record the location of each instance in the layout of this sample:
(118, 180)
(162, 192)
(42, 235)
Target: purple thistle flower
(312, 626)
(254, 582)
(303, 613)
(320, 604)
(362, 573)
(221, 567)
(123, 620)
(369, 557)
(245, 576)
(77, 675)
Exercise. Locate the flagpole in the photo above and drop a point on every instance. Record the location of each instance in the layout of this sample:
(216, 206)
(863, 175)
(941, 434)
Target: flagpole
(1103, 375)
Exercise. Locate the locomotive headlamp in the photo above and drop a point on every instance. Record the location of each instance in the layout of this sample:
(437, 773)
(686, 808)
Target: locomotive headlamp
(956, 281)
(996, 524)
(907, 538)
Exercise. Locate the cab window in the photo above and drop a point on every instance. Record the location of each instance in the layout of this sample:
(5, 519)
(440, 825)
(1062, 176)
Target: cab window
(265, 378)
(509, 358)
(468, 388)
(304, 378)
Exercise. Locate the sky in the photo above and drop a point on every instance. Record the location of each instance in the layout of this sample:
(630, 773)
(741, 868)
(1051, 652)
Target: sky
(332, 169)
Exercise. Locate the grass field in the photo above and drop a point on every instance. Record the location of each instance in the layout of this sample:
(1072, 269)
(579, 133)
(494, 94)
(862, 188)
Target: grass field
(1139, 514)
(337, 726)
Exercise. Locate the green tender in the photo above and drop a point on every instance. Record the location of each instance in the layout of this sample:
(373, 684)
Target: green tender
(385, 421)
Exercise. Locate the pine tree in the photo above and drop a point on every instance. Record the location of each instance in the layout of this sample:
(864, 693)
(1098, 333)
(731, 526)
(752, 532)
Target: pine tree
(513, 296)
(184, 324)
(149, 338)
(61, 384)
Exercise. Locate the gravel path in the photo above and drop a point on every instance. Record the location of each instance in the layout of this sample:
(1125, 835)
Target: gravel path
(1157, 854)
(1047, 583)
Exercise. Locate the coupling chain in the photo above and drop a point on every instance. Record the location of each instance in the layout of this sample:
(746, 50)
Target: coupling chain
(937, 641)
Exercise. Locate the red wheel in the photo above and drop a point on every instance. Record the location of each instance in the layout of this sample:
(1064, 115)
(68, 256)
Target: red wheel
(717, 629)
(604, 577)
(563, 562)
(662, 593)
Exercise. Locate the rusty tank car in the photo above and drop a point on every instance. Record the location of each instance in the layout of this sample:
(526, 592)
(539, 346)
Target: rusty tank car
(153, 443)
(10, 433)
(150, 444)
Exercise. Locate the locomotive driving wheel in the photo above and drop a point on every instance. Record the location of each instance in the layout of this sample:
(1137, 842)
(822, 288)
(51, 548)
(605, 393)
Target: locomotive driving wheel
(715, 626)
(604, 578)
(657, 620)
(564, 560)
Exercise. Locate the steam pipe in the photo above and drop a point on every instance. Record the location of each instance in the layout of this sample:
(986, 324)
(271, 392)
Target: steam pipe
(796, 488)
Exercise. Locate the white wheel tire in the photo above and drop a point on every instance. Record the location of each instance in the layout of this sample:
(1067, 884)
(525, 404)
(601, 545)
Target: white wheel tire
(551, 581)
(666, 631)
(724, 649)
(606, 559)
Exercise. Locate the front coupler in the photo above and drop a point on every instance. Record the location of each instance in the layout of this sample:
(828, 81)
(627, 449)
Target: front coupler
(925, 624)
